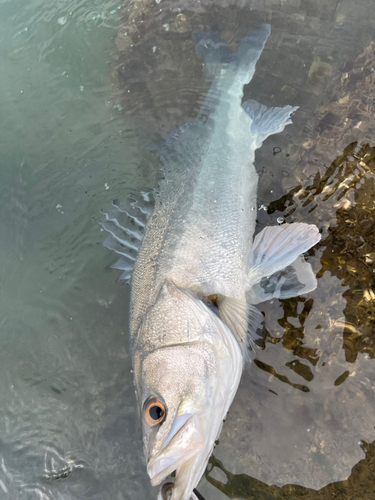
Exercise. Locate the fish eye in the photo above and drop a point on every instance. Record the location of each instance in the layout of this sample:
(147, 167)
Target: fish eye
(154, 411)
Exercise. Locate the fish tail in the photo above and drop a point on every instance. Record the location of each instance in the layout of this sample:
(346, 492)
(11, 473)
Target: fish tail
(249, 52)
(227, 69)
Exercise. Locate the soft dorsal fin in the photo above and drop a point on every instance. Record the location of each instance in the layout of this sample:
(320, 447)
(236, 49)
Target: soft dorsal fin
(125, 224)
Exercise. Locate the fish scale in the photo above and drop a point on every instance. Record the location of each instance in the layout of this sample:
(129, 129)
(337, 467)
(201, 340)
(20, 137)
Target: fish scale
(207, 222)
(199, 270)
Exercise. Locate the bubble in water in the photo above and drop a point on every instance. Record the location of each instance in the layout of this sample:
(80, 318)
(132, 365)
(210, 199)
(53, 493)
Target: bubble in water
(62, 20)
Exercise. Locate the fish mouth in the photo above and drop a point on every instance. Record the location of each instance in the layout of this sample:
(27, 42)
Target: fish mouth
(177, 449)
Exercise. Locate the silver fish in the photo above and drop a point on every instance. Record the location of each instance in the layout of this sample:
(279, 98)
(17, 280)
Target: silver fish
(198, 271)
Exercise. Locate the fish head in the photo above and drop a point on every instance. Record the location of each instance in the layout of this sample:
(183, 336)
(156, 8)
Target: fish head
(187, 373)
(176, 415)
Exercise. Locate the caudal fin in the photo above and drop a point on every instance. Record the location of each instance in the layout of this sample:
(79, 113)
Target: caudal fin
(227, 69)
(218, 55)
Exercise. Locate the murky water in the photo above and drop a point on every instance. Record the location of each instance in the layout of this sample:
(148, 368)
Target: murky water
(84, 87)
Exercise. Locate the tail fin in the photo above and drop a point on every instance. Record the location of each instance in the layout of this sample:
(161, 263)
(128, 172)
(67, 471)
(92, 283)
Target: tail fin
(218, 56)
(230, 71)
(227, 69)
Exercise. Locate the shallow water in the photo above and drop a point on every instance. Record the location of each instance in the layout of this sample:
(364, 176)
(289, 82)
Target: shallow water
(84, 87)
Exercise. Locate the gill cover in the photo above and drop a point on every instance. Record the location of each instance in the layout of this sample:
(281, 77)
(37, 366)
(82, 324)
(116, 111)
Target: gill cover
(188, 359)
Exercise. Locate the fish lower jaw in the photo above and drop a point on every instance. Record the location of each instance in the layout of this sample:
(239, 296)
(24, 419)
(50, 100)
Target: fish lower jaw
(157, 478)
(161, 468)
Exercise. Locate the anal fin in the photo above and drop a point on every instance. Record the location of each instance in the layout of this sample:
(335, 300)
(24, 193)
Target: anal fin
(267, 121)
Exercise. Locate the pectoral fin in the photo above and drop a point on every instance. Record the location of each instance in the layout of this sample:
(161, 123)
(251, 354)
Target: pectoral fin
(276, 270)
(244, 321)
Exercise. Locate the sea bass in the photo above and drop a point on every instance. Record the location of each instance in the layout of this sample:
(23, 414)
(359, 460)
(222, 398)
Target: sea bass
(197, 270)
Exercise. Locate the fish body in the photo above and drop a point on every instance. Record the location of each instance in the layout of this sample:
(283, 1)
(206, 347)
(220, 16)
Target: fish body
(201, 231)
(199, 271)
(204, 218)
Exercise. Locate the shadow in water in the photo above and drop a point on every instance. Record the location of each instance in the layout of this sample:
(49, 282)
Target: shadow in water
(360, 484)
(342, 203)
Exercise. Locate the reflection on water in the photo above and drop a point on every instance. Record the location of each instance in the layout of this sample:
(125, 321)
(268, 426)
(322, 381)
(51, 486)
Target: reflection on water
(84, 87)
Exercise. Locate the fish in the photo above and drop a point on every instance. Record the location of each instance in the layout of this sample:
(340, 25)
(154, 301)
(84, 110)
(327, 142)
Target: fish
(196, 270)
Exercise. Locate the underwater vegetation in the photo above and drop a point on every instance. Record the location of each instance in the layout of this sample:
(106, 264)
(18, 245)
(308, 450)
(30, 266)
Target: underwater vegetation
(348, 245)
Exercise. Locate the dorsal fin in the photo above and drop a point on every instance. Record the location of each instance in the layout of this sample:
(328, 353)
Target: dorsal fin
(125, 224)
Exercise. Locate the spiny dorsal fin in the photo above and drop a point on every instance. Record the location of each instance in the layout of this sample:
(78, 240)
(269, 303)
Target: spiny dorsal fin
(125, 224)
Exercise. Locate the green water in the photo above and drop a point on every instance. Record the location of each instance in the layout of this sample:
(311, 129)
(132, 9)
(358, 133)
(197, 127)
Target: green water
(84, 87)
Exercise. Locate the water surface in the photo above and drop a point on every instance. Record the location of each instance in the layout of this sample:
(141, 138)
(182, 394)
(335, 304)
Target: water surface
(85, 87)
